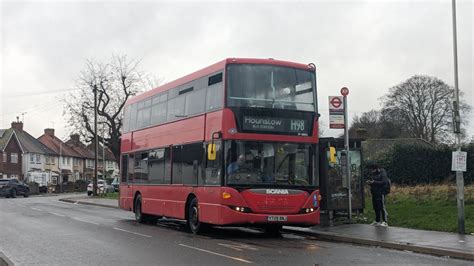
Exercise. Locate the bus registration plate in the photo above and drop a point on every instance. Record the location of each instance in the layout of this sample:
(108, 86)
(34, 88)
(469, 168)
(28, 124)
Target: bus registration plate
(277, 218)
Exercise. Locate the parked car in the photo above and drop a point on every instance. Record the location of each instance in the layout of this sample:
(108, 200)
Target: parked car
(12, 188)
(116, 184)
(102, 187)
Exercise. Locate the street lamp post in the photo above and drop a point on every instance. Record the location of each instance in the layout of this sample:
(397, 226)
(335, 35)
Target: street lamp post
(457, 127)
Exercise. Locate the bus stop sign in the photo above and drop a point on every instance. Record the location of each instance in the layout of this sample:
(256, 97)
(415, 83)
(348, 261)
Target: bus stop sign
(344, 91)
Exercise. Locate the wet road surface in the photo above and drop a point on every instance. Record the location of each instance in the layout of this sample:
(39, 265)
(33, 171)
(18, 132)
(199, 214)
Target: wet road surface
(46, 231)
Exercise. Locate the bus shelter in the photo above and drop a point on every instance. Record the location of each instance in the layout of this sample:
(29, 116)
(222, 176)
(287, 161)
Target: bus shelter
(332, 181)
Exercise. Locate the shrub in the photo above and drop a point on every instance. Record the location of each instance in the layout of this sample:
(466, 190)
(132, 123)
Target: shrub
(416, 164)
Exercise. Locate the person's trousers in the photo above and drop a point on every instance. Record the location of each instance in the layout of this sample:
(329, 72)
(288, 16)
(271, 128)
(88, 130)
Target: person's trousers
(379, 207)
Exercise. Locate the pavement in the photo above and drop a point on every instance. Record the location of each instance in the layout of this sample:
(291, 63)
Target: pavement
(421, 241)
(4, 261)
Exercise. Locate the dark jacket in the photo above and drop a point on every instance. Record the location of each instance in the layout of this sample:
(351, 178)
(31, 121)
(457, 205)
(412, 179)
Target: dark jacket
(379, 184)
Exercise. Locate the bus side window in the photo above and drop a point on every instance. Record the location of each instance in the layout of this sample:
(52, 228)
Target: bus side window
(187, 161)
(212, 169)
(131, 165)
(141, 167)
(124, 168)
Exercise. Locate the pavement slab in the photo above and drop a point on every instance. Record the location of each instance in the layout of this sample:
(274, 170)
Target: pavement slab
(421, 241)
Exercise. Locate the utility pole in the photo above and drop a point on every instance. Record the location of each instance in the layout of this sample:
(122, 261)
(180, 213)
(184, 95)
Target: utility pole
(60, 168)
(95, 142)
(103, 154)
(457, 127)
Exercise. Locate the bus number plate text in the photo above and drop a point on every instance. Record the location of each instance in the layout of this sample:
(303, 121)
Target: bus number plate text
(277, 218)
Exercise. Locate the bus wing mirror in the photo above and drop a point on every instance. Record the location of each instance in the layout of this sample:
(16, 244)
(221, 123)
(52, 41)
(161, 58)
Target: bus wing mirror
(332, 155)
(211, 152)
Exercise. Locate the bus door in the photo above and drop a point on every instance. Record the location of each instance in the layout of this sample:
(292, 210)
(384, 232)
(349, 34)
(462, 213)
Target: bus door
(126, 188)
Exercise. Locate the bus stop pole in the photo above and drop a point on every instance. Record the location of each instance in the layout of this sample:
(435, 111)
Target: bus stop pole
(348, 165)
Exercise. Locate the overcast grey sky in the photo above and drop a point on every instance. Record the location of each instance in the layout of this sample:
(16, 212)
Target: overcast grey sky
(368, 46)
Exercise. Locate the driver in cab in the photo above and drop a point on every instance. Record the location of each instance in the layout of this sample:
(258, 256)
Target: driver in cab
(235, 166)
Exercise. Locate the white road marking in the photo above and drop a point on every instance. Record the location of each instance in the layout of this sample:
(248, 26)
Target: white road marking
(237, 246)
(57, 214)
(36, 209)
(215, 253)
(130, 232)
(80, 220)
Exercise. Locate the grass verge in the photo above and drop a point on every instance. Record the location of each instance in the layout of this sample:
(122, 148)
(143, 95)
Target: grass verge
(114, 195)
(428, 207)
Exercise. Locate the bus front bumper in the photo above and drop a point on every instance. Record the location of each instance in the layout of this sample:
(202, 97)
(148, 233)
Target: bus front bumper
(231, 217)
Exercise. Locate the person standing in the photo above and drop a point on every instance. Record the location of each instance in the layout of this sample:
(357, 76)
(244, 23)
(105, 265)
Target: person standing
(378, 188)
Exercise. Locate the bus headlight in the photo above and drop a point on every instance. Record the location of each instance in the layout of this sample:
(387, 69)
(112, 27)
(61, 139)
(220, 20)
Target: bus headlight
(308, 210)
(240, 209)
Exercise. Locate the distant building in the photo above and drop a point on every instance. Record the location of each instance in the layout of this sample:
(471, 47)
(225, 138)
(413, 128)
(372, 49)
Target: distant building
(35, 156)
(105, 155)
(70, 163)
(11, 155)
(86, 155)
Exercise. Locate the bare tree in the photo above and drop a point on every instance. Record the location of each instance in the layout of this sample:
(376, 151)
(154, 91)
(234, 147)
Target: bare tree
(115, 82)
(376, 124)
(423, 105)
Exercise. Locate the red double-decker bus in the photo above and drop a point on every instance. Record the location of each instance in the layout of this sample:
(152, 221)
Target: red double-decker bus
(231, 144)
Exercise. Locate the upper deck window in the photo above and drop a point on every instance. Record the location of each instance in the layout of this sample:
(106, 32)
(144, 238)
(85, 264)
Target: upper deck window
(267, 86)
(201, 95)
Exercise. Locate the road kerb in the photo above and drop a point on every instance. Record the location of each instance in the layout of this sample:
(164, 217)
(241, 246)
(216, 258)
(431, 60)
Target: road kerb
(386, 244)
(74, 201)
(5, 261)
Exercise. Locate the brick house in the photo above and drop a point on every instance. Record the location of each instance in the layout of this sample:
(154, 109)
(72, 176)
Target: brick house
(86, 155)
(70, 163)
(35, 155)
(11, 155)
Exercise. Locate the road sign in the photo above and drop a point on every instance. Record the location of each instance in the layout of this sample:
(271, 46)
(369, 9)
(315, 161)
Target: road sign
(336, 121)
(336, 112)
(459, 161)
(344, 91)
(336, 103)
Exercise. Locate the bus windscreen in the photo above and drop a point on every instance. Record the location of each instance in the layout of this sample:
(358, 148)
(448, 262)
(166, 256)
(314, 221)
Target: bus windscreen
(253, 163)
(267, 86)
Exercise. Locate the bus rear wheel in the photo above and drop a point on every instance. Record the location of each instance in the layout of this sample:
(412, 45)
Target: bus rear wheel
(140, 216)
(193, 223)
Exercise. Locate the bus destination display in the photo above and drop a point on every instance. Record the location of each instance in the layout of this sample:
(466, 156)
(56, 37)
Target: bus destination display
(272, 124)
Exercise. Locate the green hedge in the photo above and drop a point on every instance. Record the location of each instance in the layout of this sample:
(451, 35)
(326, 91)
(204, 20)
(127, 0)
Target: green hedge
(416, 164)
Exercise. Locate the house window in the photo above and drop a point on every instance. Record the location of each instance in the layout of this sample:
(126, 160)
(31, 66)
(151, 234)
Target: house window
(52, 160)
(47, 160)
(68, 161)
(38, 158)
(32, 158)
(4, 157)
(14, 157)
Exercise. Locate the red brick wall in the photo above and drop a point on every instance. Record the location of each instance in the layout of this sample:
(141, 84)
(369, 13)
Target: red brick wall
(8, 167)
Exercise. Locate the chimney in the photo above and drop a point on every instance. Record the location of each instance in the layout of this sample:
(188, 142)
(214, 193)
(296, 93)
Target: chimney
(75, 139)
(17, 125)
(49, 132)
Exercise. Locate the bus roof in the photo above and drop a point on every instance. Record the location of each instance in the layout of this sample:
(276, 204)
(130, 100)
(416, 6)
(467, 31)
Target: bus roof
(212, 69)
